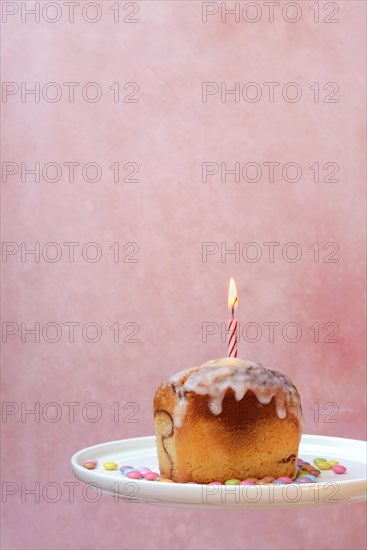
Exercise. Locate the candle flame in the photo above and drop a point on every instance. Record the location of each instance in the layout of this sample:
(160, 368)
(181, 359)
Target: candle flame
(232, 296)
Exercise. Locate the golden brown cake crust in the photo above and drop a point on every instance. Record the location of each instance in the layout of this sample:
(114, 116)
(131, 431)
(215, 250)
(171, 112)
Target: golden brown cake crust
(233, 439)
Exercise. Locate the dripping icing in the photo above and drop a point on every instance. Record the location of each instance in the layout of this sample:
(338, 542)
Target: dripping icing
(216, 376)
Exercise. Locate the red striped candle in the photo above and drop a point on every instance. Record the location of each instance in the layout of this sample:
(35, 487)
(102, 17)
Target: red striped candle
(232, 323)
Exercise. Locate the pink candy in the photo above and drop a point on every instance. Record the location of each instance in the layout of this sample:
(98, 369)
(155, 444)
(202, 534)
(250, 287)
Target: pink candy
(339, 469)
(143, 470)
(151, 476)
(247, 482)
(285, 479)
(134, 474)
(215, 483)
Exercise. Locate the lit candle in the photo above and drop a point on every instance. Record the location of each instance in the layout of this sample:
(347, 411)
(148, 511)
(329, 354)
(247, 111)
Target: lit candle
(232, 323)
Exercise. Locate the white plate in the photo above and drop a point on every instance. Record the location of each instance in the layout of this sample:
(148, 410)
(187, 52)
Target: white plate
(141, 451)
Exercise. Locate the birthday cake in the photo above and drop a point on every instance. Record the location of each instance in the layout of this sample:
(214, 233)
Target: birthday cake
(228, 419)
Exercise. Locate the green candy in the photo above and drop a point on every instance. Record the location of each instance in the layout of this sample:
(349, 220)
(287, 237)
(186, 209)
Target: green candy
(324, 465)
(300, 474)
(316, 460)
(232, 482)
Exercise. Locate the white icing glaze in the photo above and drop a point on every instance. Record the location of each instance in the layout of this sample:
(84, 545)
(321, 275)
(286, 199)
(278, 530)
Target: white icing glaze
(216, 376)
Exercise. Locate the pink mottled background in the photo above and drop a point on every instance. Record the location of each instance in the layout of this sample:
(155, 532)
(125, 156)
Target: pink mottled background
(170, 292)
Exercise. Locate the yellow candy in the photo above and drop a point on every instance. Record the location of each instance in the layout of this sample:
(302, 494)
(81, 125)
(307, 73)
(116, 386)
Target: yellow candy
(333, 462)
(110, 465)
(324, 465)
(167, 480)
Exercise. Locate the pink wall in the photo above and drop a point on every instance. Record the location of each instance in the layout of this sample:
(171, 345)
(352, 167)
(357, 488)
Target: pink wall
(170, 292)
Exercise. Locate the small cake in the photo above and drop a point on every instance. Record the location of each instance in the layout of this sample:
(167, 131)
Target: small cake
(228, 419)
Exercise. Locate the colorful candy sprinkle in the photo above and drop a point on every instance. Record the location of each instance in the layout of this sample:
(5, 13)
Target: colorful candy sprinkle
(90, 464)
(303, 479)
(264, 480)
(285, 479)
(151, 476)
(134, 474)
(110, 465)
(324, 465)
(310, 477)
(306, 473)
(125, 470)
(301, 474)
(339, 469)
(232, 482)
(310, 469)
(143, 470)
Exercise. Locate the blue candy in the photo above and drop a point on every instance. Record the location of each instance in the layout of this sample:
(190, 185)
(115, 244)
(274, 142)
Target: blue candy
(310, 477)
(303, 479)
(125, 471)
